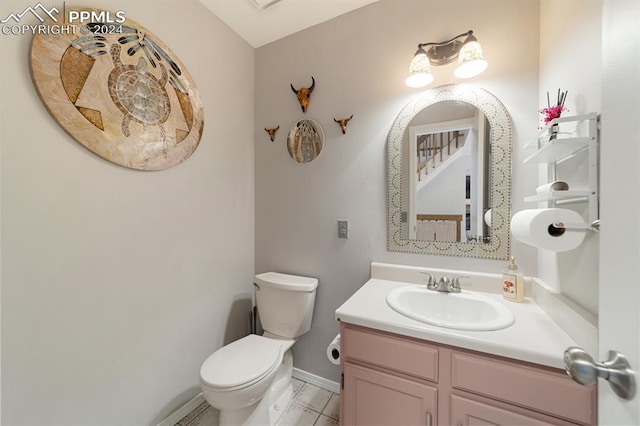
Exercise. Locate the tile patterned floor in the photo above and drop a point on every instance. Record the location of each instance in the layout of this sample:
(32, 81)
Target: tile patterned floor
(311, 406)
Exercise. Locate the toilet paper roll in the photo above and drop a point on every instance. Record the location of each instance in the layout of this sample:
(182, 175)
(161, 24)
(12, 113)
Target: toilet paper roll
(558, 185)
(333, 350)
(535, 227)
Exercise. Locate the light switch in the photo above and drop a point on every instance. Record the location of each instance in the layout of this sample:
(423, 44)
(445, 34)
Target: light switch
(343, 229)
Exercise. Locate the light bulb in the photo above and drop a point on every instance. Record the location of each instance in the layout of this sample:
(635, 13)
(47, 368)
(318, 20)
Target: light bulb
(419, 70)
(470, 61)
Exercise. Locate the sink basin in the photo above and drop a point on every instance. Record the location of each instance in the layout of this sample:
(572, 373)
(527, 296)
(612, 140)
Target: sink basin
(460, 311)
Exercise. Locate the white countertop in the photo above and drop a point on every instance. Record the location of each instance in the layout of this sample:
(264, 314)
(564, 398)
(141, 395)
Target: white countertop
(534, 337)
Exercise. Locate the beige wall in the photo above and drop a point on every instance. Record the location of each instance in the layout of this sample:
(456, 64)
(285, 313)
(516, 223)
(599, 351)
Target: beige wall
(360, 61)
(570, 59)
(117, 284)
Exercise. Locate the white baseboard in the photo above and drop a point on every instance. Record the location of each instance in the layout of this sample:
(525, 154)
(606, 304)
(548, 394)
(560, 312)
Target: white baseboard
(316, 380)
(183, 411)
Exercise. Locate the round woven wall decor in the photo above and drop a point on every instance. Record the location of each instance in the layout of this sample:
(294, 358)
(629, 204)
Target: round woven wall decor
(119, 91)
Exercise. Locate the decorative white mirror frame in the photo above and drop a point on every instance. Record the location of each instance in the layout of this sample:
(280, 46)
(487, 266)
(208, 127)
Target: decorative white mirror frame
(500, 169)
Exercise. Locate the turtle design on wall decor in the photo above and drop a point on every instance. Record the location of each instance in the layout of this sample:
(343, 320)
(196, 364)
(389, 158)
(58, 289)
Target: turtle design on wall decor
(119, 91)
(138, 93)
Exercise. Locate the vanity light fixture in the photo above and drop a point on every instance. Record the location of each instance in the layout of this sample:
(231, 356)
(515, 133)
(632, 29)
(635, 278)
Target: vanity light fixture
(468, 53)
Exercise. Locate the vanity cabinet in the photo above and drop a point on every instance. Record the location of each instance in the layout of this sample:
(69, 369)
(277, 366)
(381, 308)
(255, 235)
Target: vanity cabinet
(396, 380)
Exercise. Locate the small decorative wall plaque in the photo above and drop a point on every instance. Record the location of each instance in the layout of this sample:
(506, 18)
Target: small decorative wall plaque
(119, 91)
(305, 140)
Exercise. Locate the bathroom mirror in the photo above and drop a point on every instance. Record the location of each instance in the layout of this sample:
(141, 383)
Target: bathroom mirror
(449, 168)
(305, 141)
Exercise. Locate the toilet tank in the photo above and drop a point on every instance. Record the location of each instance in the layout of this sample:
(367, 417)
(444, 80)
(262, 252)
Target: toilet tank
(285, 303)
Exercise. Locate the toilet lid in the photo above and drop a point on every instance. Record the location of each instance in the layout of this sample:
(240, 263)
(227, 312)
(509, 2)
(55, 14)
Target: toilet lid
(243, 362)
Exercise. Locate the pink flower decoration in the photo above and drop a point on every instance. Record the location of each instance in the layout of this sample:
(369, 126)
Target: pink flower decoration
(551, 113)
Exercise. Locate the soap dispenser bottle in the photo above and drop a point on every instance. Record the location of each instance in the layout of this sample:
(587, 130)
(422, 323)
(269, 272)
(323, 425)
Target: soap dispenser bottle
(512, 282)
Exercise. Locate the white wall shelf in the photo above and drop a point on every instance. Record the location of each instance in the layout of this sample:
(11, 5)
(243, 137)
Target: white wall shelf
(560, 197)
(571, 138)
(558, 149)
(566, 130)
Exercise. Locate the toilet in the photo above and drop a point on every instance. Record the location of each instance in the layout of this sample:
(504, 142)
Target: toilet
(249, 380)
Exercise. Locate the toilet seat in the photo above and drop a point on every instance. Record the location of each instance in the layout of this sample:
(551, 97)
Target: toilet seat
(243, 362)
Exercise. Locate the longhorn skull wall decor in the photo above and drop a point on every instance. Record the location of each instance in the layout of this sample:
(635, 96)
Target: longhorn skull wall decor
(343, 123)
(303, 94)
(272, 132)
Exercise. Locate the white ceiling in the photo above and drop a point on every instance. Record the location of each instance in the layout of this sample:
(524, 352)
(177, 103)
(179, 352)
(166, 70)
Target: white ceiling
(261, 26)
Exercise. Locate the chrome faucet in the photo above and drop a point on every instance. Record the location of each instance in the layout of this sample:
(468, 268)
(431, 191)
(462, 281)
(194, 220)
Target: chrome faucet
(429, 278)
(444, 284)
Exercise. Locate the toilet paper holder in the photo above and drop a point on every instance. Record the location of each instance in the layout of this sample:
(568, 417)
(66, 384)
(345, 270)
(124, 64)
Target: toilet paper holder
(562, 226)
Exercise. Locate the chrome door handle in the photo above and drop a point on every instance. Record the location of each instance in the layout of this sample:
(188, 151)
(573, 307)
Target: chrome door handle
(616, 370)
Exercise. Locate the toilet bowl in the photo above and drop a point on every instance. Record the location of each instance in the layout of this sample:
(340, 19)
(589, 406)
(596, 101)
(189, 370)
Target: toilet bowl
(249, 380)
(237, 377)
